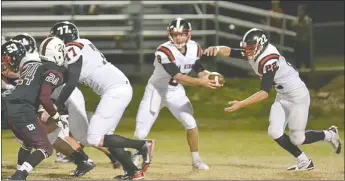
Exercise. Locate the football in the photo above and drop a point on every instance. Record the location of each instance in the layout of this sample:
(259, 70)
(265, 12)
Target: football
(217, 77)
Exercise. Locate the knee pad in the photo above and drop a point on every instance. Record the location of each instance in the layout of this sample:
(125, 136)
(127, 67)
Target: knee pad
(188, 121)
(190, 126)
(94, 140)
(297, 137)
(275, 133)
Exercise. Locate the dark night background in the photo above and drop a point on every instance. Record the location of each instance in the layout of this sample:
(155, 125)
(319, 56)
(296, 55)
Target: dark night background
(319, 11)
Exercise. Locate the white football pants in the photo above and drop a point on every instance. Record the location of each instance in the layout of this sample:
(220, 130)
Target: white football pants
(290, 109)
(109, 112)
(153, 100)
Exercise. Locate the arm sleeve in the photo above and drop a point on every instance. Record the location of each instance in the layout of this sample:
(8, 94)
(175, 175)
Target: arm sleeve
(51, 79)
(197, 67)
(267, 81)
(236, 53)
(73, 73)
(269, 70)
(171, 68)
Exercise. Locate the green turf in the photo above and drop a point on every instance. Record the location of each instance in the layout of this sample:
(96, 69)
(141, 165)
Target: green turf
(230, 155)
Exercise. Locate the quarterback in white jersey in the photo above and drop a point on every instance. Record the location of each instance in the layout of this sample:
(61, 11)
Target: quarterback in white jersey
(292, 101)
(87, 65)
(173, 60)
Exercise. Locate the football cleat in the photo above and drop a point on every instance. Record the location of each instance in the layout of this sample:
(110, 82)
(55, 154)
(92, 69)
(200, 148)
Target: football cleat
(83, 168)
(303, 165)
(19, 175)
(335, 140)
(138, 175)
(146, 152)
(200, 165)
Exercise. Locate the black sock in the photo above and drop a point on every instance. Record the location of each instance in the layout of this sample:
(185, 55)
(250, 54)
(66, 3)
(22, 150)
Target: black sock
(285, 142)
(111, 157)
(23, 154)
(116, 141)
(35, 158)
(313, 136)
(79, 157)
(126, 161)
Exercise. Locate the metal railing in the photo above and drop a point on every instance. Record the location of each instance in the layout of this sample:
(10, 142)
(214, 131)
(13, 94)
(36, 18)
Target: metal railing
(202, 16)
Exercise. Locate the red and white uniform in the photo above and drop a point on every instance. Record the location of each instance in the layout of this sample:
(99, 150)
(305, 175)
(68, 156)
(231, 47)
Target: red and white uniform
(162, 91)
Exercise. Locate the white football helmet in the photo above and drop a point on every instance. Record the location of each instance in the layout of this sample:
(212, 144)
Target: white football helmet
(52, 49)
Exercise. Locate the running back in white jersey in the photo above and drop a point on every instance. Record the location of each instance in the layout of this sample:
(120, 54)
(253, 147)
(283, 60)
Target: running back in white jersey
(96, 72)
(168, 53)
(286, 77)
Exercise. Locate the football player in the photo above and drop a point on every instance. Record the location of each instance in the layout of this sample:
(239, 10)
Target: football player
(175, 59)
(75, 106)
(86, 64)
(8, 77)
(58, 137)
(292, 101)
(33, 88)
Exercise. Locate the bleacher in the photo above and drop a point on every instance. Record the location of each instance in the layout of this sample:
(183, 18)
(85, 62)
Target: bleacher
(112, 28)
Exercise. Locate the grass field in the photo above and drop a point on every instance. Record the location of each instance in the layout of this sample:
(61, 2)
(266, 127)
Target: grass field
(230, 154)
(236, 146)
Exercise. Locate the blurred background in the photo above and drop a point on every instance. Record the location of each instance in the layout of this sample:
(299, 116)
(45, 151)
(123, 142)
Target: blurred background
(308, 33)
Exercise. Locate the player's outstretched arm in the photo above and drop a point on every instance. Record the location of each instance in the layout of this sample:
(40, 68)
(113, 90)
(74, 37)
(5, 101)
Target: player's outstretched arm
(223, 51)
(255, 98)
(266, 86)
(218, 51)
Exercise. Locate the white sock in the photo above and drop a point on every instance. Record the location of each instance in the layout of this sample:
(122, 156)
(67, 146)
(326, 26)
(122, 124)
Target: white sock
(302, 156)
(26, 166)
(18, 166)
(195, 155)
(328, 135)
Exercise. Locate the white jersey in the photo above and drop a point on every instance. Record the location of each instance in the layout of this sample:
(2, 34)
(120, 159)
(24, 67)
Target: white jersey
(168, 53)
(286, 77)
(96, 72)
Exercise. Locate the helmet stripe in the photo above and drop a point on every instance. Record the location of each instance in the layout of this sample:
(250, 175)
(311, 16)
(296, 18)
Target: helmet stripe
(44, 47)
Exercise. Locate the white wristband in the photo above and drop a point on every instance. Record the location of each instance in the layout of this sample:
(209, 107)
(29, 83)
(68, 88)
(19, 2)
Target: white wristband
(57, 115)
(9, 86)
